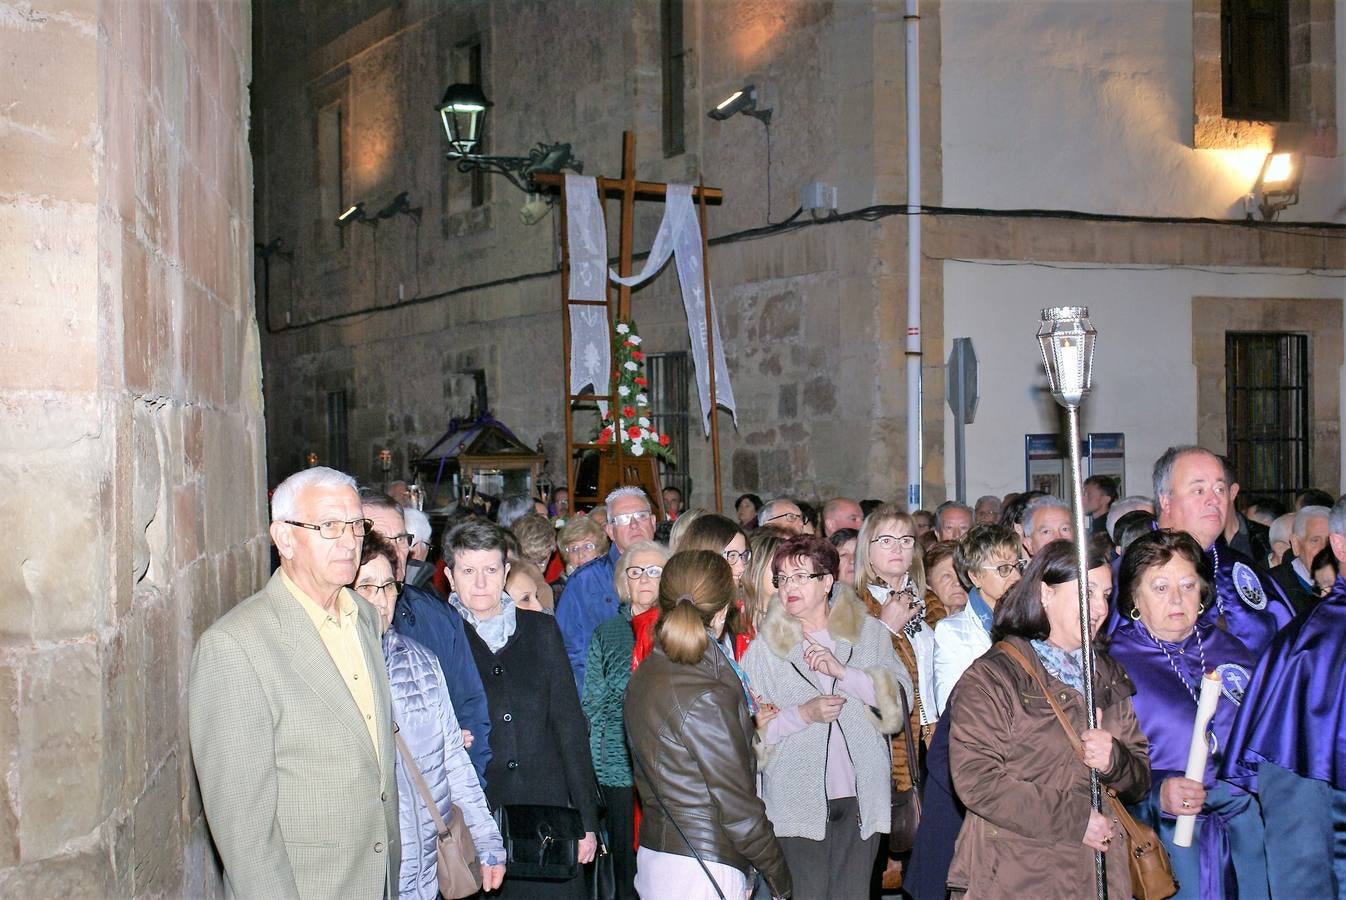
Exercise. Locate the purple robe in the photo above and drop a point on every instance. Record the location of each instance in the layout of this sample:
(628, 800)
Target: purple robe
(1164, 707)
(1294, 711)
(1250, 602)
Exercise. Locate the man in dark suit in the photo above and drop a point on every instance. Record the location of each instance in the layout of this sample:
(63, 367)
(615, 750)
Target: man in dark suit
(1307, 538)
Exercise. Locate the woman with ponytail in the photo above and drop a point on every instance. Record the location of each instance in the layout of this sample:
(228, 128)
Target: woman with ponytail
(690, 728)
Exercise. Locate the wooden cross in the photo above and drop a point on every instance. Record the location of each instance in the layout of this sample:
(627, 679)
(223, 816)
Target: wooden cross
(619, 468)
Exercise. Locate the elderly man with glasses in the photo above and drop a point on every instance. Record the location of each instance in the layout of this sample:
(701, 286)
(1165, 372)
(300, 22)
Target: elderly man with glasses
(423, 617)
(291, 717)
(589, 598)
(782, 513)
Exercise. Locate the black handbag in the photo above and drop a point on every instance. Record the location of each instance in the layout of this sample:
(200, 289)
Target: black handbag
(906, 810)
(541, 842)
(603, 884)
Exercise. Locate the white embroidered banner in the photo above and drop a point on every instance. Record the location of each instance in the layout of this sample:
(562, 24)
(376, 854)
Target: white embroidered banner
(679, 236)
(586, 239)
(590, 352)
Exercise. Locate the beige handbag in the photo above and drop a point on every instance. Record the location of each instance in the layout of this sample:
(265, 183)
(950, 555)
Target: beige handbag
(456, 867)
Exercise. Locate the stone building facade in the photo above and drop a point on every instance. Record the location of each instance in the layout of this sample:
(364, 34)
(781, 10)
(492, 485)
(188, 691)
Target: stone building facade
(1099, 114)
(132, 447)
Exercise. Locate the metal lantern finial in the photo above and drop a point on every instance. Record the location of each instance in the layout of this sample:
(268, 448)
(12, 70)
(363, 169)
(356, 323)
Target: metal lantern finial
(1067, 341)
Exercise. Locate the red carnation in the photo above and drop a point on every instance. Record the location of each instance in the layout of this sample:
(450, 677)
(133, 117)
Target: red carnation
(602, 439)
(640, 380)
(628, 412)
(637, 355)
(663, 440)
(627, 344)
(633, 432)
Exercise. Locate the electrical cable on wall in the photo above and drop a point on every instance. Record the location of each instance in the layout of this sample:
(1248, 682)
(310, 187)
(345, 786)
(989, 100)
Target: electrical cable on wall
(1327, 230)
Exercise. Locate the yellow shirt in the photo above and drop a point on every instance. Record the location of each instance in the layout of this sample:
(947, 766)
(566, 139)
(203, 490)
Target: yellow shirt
(340, 634)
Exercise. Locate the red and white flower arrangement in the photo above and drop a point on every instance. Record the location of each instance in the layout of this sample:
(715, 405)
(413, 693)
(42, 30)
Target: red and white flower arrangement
(629, 421)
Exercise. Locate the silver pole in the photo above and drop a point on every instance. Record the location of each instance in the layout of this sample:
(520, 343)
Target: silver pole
(1086, 633)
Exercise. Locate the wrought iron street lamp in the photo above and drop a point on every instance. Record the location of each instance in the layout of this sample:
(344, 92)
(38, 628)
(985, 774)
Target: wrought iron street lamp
(1067, 341)
(463, 115)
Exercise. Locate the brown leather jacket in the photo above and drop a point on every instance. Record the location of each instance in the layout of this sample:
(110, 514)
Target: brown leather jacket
(690, 736)
(1026, 791)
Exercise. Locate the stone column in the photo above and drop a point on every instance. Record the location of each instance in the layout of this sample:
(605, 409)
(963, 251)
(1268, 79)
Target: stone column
(131, 439)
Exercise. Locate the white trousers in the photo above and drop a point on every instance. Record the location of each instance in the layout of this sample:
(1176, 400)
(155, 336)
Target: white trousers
(668, 876)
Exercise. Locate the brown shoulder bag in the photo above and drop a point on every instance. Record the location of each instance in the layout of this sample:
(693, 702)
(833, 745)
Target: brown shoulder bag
(457, 870)
(1151, 869)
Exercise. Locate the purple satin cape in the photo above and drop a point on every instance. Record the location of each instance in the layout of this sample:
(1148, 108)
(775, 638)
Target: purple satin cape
(1294, 711)
(1248, 599)
(1164, 707)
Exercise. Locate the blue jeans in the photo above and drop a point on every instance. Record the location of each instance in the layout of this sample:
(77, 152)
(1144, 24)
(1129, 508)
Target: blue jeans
(1306, 834)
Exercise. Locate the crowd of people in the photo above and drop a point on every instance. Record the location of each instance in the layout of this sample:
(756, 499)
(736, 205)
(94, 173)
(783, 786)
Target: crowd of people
(820, 700)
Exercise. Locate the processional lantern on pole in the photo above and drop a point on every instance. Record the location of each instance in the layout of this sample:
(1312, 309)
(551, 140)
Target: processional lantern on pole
(1067, 340)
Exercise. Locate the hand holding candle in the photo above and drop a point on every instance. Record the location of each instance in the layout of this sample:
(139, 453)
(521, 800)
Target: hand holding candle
(1198, 750)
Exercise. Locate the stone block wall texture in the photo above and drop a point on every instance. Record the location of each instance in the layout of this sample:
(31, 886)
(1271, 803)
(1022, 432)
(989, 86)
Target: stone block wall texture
(815, 320)
(131, 429)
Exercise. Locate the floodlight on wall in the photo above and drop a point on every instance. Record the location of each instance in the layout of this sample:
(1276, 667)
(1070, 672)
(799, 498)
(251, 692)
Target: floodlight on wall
(462, 112)
(742, 101)
(1277, 185)
(400, 204)
(354, 213)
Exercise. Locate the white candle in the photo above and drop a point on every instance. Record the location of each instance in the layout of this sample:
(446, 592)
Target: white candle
(1198, 750)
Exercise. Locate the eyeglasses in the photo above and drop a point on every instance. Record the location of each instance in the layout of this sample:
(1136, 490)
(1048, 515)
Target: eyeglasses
(576, 548)
(387, 589)
(789, 517)
(735, 556)
(628, 518)
(634, 572)
(335, 528)
(1004, 569)
(888, 541)
(798, 578)
(405, 537)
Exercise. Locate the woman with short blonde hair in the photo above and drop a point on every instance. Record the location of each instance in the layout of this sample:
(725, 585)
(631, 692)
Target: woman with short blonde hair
(580, 540)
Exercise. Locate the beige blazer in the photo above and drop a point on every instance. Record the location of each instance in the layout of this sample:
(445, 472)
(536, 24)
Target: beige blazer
(297, 801)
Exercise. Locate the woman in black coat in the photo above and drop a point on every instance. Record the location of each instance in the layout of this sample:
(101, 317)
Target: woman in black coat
(539, 740)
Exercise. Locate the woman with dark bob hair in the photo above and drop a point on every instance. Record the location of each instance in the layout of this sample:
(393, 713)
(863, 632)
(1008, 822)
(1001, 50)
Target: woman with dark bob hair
(1163, 587)
(1030, 830)
(830, 669)
(690, 731)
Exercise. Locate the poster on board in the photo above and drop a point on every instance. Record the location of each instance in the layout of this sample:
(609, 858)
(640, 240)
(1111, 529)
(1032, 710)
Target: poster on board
(1045, 464)
(1107, 456)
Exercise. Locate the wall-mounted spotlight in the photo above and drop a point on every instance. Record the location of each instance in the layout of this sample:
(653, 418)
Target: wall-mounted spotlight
(462, 112)
(743, 101)
(400, 204)
(353, 213)
(1277, 185)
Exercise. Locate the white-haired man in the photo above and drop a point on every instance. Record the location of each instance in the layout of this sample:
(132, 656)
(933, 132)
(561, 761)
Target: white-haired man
(1308, 535)
(952, 520)
(1046, 519)
(1288, 741)
(290, 715)
(1122, 507)
(1278, 535)
(590, 596)
(1192, 495)
(782, 513)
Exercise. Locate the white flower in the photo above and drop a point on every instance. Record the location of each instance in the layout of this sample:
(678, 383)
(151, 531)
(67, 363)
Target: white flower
(643, 422)
(623, 328)
(635, 339)
(637, 449)
(630, 366)
(559, 523)
(644, 434)
(641, 400)
(623, 390)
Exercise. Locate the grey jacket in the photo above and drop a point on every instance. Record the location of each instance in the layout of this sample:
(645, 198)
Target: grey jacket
(794, 770)
(425, 719)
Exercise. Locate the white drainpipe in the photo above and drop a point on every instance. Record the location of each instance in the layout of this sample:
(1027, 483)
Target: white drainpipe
(913, 350)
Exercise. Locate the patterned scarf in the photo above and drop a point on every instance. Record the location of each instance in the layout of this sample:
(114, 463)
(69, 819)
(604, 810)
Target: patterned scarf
(495, 631)
(1068, 667)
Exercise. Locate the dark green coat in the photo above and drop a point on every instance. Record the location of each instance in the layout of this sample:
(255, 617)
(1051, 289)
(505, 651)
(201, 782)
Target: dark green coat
(606, 674)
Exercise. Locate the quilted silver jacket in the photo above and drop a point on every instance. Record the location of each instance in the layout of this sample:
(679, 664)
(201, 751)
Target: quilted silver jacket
(426, 722)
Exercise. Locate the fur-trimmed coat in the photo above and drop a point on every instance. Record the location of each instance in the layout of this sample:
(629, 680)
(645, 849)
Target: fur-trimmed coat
(794, 770)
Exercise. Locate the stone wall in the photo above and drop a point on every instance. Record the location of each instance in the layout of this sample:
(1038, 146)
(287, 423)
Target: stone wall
(131, 440)
(814, 320)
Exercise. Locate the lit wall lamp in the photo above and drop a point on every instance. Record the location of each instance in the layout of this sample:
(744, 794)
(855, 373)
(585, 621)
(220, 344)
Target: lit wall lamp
(354, 213)
(463, 115)
(400, 204)
(743, 101)
(1277, 186)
